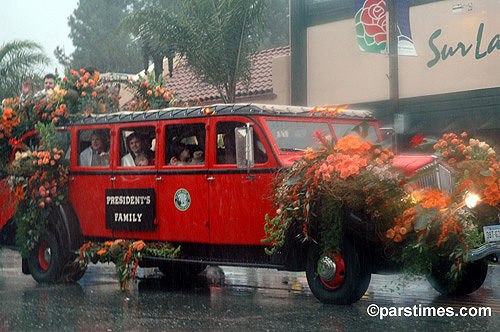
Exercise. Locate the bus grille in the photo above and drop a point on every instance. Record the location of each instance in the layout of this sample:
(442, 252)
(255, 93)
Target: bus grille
(439, 178)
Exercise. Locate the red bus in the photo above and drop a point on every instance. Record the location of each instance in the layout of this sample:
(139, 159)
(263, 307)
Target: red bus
(130, 178)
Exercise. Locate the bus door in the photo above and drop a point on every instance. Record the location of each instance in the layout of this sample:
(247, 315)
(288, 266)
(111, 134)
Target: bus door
(182, 182)
(239, 200)
(90, 176)
(131, 204)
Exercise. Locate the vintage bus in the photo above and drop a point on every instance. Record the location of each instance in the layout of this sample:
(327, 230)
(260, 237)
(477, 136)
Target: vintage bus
(213, 207)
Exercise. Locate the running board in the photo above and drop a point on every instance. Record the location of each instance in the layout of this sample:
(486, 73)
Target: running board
(155, 261)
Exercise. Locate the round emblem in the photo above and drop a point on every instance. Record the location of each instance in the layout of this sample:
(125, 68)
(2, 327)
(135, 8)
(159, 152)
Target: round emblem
(182, 199)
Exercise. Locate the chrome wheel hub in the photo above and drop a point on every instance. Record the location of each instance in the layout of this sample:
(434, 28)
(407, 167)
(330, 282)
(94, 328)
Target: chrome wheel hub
(327, 268)
(47, 255)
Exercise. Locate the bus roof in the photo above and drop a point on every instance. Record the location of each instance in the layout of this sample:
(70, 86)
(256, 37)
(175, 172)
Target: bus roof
(214, 110)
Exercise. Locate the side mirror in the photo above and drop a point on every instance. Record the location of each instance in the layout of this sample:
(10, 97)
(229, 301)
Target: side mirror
(389, 138)
(387, 133)
(244, 146)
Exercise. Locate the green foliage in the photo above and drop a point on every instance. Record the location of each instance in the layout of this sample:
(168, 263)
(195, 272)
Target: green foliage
(98, 41)
(31, 222)
(48, 135)
(331, 223)
(275, 232)
(163, 250)
(20, 60)
(417, 258)
(154, 27)
(275, 32)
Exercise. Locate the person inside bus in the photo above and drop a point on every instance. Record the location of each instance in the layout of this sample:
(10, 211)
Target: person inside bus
(229, 154)
(198, 157)
(135, 146)
(179, 153)
(97, 153)
(141, 160)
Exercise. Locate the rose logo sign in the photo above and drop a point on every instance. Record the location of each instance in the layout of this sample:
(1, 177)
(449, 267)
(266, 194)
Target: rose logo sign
(371, 26)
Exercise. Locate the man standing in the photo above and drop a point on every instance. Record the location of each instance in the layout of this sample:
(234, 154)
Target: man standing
(48, 84)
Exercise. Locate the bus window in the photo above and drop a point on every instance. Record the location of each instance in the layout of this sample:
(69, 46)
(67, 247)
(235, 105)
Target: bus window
(93, 147)
(137, 146)
(185, 144)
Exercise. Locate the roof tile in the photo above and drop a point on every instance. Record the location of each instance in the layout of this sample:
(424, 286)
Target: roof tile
(188, 87)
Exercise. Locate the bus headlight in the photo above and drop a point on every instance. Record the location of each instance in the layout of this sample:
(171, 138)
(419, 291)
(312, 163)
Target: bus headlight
(471, 200)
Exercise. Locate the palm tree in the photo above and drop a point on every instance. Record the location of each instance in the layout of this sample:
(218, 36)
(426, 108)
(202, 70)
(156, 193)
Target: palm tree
(20, 60)
(215, 37)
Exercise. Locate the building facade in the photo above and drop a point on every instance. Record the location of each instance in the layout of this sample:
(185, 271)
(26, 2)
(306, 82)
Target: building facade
(451, 84)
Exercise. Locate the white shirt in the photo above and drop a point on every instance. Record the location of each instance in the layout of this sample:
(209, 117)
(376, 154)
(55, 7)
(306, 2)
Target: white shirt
(127, 160)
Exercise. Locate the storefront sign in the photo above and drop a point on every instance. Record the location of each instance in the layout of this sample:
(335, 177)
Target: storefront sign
(130, 209)
(481, 49)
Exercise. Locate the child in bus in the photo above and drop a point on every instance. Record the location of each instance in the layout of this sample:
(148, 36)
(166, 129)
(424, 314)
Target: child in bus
(141, 160)
(180, 154)
(198, 157)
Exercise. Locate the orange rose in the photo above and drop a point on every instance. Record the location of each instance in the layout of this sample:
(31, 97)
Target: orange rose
(390, 233)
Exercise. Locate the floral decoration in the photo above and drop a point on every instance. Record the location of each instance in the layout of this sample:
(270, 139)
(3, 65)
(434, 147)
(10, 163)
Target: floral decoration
(354, 175)
(150, 94)
(37, 175)
(87, 94)
(125, 254)
(37, 179)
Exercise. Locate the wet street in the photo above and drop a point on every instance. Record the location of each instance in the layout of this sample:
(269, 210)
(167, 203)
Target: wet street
(234, 299)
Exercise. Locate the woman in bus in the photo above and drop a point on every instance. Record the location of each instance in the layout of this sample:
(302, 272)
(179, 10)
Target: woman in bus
(135, 146)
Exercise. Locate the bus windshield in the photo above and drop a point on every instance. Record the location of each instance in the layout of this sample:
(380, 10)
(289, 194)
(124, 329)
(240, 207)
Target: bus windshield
(297, 135)
(345, 129)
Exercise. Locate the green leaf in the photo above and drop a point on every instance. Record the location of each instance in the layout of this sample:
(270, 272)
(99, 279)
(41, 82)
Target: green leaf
(424, 217)
(485, 172)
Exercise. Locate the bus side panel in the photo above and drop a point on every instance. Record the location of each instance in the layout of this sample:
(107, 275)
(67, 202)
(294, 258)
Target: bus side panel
(238, 206)
(87, 194)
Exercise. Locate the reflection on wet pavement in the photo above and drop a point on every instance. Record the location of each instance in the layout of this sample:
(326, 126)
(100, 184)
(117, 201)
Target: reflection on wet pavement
(223, 299)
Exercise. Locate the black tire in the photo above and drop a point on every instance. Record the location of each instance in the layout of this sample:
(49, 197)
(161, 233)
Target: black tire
(472, 278)
(351, 278)
(72, 271)
(45, 261)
